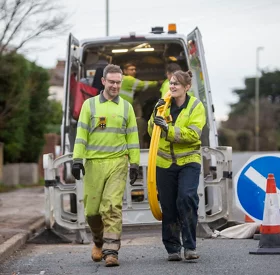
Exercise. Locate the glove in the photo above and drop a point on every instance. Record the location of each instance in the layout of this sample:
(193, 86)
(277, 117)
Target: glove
(76, 170)
(133, 175)
(159, 103)
(160, 121)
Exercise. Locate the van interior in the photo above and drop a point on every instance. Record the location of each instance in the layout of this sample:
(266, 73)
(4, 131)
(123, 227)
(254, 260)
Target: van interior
(150, 58)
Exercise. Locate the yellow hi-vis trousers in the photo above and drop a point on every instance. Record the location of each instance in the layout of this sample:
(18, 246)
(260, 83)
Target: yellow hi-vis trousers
(104, 185)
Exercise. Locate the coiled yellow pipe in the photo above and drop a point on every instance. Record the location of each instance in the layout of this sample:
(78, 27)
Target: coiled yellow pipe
(151, 181)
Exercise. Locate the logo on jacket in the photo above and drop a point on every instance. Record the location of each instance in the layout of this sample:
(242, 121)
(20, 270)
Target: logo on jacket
(102, 122)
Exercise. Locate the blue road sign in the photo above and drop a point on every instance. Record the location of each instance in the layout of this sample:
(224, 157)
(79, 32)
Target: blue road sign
(250, 184)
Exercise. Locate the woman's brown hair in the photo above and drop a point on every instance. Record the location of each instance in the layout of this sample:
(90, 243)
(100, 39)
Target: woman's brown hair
(184, 78)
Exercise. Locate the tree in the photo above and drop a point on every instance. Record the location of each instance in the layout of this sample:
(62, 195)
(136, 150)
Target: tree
(245, 140)
(14, 104)
(55, 116)
(227, 137)
(38, 115)
(242, 115)
(269, 89)
(23, 21)
(24, 107)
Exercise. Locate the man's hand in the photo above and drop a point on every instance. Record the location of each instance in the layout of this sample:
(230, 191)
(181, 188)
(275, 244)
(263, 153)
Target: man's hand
(133, 175)
(76, 170)
(159, 103)
(160, 121)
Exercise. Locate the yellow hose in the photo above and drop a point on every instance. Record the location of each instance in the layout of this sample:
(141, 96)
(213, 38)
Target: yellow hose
(151, 182)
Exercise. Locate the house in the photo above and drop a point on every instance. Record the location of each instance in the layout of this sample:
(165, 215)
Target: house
(56, 81)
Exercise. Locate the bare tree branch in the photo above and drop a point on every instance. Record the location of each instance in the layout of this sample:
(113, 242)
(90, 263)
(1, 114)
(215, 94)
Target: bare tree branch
(28, 20)
(17, 4)
(17, 27)
(44, 31)
(3, 7)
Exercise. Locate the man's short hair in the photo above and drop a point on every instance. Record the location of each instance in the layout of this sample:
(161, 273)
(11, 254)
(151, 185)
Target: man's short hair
(111, 68)
(173, 67)
(128, 64)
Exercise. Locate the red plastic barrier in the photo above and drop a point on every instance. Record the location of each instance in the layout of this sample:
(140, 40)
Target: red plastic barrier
(79, 93)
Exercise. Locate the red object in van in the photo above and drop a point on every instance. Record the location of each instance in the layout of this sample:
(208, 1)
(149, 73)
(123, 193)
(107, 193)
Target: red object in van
(79, 93)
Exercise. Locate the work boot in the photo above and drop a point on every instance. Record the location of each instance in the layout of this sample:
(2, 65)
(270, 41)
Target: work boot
(96, 253)
(191, 254)
(174, 257)
(111, 260)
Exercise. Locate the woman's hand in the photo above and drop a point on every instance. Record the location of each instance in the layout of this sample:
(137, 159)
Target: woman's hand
(160, 121)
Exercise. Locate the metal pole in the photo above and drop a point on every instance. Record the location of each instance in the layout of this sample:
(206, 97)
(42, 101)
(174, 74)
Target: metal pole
(257, 102)
(107, 17)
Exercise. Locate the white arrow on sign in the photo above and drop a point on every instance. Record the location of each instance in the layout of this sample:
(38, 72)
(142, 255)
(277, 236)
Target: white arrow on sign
(258, 179)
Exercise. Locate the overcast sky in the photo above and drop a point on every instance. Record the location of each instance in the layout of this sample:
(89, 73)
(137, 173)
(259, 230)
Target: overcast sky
(231, 32)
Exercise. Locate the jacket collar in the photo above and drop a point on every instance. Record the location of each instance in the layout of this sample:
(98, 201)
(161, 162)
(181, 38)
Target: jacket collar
(102, 99)
(173, 103)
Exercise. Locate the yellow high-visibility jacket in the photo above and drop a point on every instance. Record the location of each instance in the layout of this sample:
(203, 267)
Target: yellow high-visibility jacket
(181, 144)
(119, 137)
(164, 88)
(131, 85)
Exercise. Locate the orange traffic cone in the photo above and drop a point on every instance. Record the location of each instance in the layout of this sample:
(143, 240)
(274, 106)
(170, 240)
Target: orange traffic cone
(270, 230)
(257, 235)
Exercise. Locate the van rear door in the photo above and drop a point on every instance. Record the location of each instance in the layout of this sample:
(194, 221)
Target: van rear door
(201, 85)
(72, 69)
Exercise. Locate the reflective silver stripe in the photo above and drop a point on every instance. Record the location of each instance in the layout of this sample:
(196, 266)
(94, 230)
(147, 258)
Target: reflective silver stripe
(168, 156)
(126, 93)
(146, 86)
(92, 113)
(125, 114)
(196, 129)
(164, 155)
(133, 146)
(110, 130)
(80, 141)
(130, 94)
(196, 102)
(112, 236)
(83, 125)
(187, 154)
(78, 160)
(111, 246)
(177, 137)
(109, 149)
(132, 130)
(135, 85)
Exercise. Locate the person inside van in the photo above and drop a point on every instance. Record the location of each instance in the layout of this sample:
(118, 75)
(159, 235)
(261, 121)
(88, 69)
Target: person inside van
(131, 85)
(170, 69)
(97, 83)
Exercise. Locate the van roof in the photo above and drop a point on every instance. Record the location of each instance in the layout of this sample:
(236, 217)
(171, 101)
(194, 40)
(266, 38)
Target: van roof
(149, 36)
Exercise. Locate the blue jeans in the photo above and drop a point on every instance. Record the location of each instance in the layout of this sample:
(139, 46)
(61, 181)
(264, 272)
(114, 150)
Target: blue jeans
(177, 189)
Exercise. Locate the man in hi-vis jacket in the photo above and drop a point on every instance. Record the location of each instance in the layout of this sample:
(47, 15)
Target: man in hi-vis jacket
(107, 140)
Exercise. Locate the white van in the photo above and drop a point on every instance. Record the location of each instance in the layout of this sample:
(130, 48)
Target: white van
(151, 52)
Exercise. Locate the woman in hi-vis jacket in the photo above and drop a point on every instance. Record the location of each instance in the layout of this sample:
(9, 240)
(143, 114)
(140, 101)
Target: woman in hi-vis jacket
(178, 166)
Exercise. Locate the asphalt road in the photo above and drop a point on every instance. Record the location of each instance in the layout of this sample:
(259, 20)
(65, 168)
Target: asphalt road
(143, 253)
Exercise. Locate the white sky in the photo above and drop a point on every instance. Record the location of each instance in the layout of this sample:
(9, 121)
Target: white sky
(231, 32)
